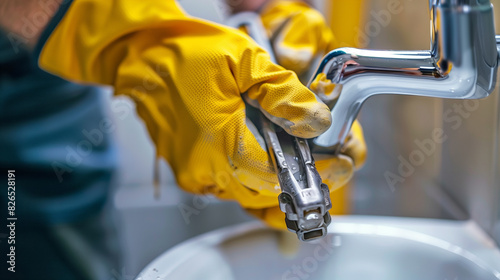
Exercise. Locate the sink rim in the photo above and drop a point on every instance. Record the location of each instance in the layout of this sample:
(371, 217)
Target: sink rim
(468, 240)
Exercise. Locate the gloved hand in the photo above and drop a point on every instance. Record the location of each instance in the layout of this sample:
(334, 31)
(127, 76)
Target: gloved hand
(298, 32)
(187, 76)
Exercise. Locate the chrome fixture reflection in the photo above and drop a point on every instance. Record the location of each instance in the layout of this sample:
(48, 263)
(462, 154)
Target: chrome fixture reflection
(461, 64)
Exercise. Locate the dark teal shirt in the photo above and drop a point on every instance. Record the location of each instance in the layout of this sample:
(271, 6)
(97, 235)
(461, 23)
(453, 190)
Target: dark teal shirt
(50, 134)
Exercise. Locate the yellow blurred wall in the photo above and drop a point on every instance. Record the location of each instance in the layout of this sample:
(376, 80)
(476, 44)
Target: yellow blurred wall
(346, 17)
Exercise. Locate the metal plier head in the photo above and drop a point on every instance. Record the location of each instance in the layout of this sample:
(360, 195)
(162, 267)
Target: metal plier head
(304, 198)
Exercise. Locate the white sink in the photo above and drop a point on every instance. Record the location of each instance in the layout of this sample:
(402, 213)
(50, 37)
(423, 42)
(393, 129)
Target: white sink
(357, 247)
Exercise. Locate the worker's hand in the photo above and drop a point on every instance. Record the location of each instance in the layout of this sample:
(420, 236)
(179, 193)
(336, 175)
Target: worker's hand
(187, 77)
(299, 33)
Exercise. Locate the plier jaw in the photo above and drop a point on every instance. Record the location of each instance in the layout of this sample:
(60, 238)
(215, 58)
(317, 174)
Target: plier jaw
(304, 198)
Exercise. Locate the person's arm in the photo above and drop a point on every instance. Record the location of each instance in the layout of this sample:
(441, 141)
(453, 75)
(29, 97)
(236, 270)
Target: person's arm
(24, 20)
(188, 78)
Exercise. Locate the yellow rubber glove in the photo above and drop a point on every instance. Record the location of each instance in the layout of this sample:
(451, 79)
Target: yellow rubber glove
(187, 76)
(355, 146)
(299, 33)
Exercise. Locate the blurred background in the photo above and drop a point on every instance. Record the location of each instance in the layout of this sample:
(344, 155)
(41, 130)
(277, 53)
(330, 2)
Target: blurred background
(406, 173)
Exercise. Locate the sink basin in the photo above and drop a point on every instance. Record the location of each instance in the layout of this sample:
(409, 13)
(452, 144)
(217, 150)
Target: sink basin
(357, 247)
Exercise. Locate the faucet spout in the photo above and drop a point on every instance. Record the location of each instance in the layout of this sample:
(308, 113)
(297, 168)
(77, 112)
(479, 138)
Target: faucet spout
(461, 64)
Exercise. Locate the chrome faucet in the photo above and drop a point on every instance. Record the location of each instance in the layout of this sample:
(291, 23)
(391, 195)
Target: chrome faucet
(461, 64)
